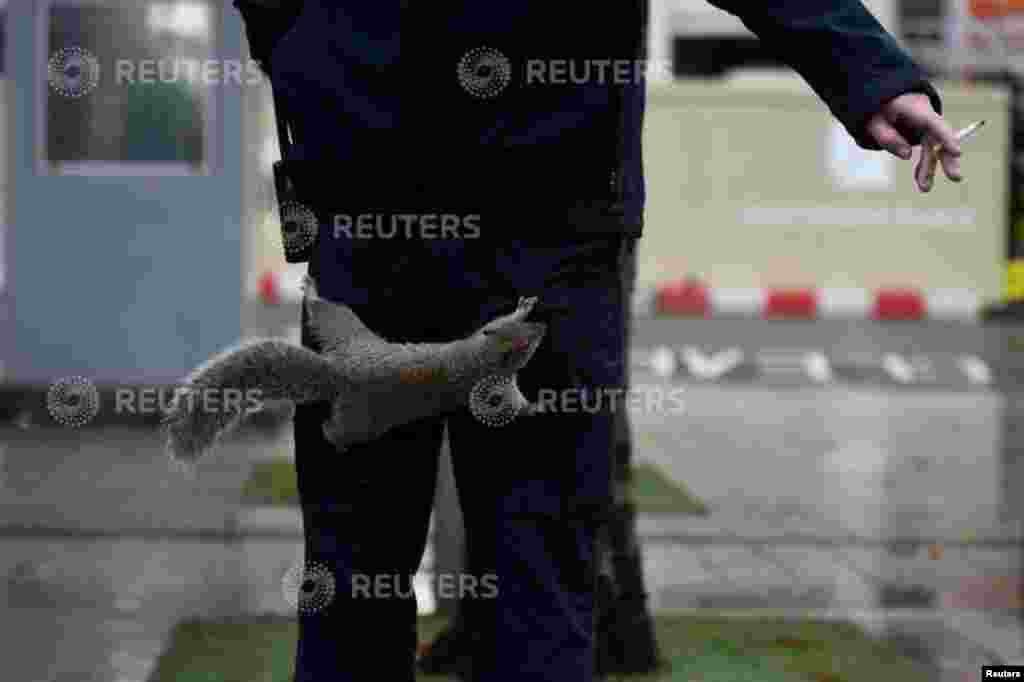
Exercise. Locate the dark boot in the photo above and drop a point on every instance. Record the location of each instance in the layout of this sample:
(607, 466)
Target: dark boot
(604, 602)
(626, 638)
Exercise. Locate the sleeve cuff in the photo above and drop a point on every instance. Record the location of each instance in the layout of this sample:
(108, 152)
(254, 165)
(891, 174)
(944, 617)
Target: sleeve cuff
(871, 102)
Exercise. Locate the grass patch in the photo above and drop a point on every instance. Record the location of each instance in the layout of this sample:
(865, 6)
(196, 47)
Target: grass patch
(765, 649)
(258, 650)
(699, 648)
(272, 482)
(655, 493)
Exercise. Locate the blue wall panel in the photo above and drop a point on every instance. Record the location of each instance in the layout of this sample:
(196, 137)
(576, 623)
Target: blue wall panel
(119, 279)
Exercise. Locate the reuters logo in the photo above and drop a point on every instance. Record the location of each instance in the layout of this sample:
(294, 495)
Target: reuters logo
(309, 588)
(484, 72)
(73, 401)
(494, 400)
(73, 72)
(298, 227)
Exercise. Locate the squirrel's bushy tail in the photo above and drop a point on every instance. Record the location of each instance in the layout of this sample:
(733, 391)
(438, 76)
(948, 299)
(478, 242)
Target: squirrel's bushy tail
(218, 394)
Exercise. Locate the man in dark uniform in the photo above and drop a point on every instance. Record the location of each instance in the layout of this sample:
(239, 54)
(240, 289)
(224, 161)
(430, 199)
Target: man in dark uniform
(433, 109)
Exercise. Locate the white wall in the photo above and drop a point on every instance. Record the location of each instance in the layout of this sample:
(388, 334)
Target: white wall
(751, 183)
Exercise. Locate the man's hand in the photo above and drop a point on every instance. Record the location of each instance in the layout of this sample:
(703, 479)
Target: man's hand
(913, 111)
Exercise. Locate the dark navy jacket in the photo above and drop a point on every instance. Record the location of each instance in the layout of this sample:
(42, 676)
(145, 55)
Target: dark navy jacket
(373, 90)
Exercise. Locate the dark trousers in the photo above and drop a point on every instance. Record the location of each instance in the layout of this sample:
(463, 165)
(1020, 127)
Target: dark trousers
(627, 641)
(533, 492)
(623, 429)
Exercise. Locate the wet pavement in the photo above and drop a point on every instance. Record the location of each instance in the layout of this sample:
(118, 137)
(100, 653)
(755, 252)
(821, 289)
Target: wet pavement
(862, 471)
(883, 509)
(105, 547)
(885, 502)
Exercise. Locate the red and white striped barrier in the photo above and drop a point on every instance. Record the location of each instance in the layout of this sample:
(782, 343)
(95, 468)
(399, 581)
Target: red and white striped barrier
(280, 287)
(691, 298)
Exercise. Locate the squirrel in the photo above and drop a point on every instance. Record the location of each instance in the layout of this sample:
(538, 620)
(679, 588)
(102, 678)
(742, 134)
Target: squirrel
(373, 384)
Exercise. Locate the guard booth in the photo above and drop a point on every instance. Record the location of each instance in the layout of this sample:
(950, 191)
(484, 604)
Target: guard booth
(124, 215)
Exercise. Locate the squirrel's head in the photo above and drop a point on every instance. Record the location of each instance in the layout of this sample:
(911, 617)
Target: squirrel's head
(508, 342)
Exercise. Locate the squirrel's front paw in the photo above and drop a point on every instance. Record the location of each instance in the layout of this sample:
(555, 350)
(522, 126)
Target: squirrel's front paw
(526, 304)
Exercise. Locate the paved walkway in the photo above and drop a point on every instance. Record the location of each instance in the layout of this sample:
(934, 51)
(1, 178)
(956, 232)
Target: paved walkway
(816, 498)
(105, 547)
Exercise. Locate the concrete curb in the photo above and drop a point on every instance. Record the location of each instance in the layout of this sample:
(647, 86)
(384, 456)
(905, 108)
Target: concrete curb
(261, 520)
(267, 520)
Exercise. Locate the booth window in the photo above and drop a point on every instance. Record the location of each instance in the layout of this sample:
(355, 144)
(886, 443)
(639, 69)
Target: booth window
(129, 88)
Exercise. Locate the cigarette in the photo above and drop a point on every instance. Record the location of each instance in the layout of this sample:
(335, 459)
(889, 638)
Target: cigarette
(961, 135)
